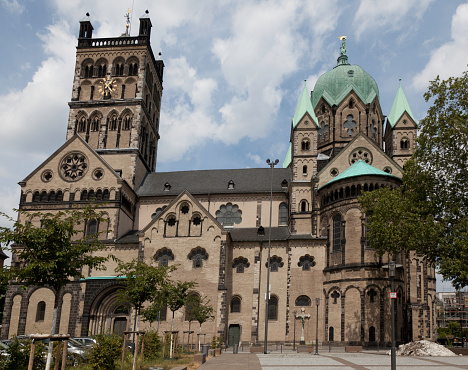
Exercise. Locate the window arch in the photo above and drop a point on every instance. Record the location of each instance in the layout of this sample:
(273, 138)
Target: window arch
(304, 206)
(113, 123)
(102, 69)
(81, 125)
(133, 69)
(36, 196)
(337, 233)
(59, 196)
(303, 301)
(372, 334)
(92, 228)
(276, 263)
(40, 311)
(273, 308)
(331, 334)
(240, 263)
(304, 170)
(163, 256)
(44, 196)
(197, 256)
(404, 143)
(306, 262)
(305, 144)
(193, 300)
(283, 214)
(229, 214)
(235, 305)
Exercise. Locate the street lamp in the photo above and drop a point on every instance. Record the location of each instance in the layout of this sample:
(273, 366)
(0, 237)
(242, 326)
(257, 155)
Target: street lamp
(267, 295)
(317, 302)
(294, 339)
(391, 271)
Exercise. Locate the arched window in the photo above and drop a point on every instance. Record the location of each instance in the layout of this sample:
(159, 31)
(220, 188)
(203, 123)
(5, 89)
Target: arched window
(102, 70)
(126, 123)
(305, 145)
(304, 206)
(372, 334)
(105, 194)
(44, 196)
(235, 304)
(133, 69)
(273, 308)
(306, 262)
(240, 263)
(82, 125)
(36, 196)
(88, 72)
(95, 124)
(303, 301)
(197, 256)
(84, 195)
(113, 123)
(40, 311)
(229, 214)
(276, 263)
(304, 170)
(119, 69)
(163, 256)
(283, 214)
(404, 143)
(372, 294)
(59, 196)
(193, 300)
(52, 196)
(331, 334)
(92, 228)
(337, 233)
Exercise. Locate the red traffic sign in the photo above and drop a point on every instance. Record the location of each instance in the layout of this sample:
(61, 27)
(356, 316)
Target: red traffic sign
(393, 295)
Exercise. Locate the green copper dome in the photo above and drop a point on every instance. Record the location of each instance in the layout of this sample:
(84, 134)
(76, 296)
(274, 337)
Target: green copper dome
(334, 85)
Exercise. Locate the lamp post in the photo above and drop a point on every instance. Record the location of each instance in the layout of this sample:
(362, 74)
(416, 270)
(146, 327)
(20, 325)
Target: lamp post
(391, 272)
(294, 339)
(267, 295)
(317, 302)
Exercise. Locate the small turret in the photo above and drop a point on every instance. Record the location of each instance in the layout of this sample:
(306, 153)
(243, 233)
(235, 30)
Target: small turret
(86, 28)
(145, 25)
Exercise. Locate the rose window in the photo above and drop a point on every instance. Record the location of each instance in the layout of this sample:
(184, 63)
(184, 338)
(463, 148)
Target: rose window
(73, 166)
(360, 154)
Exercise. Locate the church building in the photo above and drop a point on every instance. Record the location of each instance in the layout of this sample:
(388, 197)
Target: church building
(214, 224)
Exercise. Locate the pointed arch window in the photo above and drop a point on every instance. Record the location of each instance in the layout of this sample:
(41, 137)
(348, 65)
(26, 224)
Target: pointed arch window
(113, 123)
(92, 228)
(126, 123)
(95, 124)
(82, 125)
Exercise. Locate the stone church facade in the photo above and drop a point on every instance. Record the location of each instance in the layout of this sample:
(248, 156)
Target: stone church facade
(214, 224)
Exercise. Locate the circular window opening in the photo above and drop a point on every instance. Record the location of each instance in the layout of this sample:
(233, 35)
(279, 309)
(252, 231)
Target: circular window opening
(98, 174)
(47, 176)
(334, 172)
(388, 169)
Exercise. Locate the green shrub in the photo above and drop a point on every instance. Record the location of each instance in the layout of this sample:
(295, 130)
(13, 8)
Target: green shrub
(216, 342)
(18, 355)
(152, 345)
(105, 352)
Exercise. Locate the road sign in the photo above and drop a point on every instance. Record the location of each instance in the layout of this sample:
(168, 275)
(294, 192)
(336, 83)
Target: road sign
(393, 295)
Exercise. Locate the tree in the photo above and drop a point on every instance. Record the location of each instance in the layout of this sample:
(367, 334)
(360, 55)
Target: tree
(175, 295)
(143, 283)
(202, 311)
(429, 214)
(51, 254)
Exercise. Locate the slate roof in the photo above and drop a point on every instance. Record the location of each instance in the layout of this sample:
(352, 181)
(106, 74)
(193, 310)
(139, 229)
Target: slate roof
(280, 233)
(250, 180)
(129, 238)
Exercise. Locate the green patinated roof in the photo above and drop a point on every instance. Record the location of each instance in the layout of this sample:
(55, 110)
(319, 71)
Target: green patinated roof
(360, 168)
(287, 160)
(400, 106)
(334, 85)
(304, 106)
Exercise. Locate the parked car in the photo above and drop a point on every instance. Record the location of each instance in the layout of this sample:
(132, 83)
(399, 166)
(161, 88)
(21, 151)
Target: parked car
(86, 341)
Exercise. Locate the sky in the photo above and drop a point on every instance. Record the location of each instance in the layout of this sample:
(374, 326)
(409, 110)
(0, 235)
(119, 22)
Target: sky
(234, 70)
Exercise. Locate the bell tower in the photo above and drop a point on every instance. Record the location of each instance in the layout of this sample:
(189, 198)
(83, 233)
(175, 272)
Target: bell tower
(116, 98)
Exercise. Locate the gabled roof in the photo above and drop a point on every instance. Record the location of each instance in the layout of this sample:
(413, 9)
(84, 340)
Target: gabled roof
(249, 180)
(400, 106)
(62, 148)
(360, 168)
(169, 209)
(304, 106)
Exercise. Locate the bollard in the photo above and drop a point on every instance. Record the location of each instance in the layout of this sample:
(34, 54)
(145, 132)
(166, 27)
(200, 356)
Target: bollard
(235, 349)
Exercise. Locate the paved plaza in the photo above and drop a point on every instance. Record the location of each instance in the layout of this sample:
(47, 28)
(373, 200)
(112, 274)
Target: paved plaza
(360, 361)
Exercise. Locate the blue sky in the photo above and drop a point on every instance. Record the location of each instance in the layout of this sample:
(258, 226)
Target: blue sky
(234, 69)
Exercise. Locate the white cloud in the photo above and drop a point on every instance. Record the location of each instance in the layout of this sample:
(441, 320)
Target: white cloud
(256, 159)
(13, 6)
(388, 15)
(449, 59)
